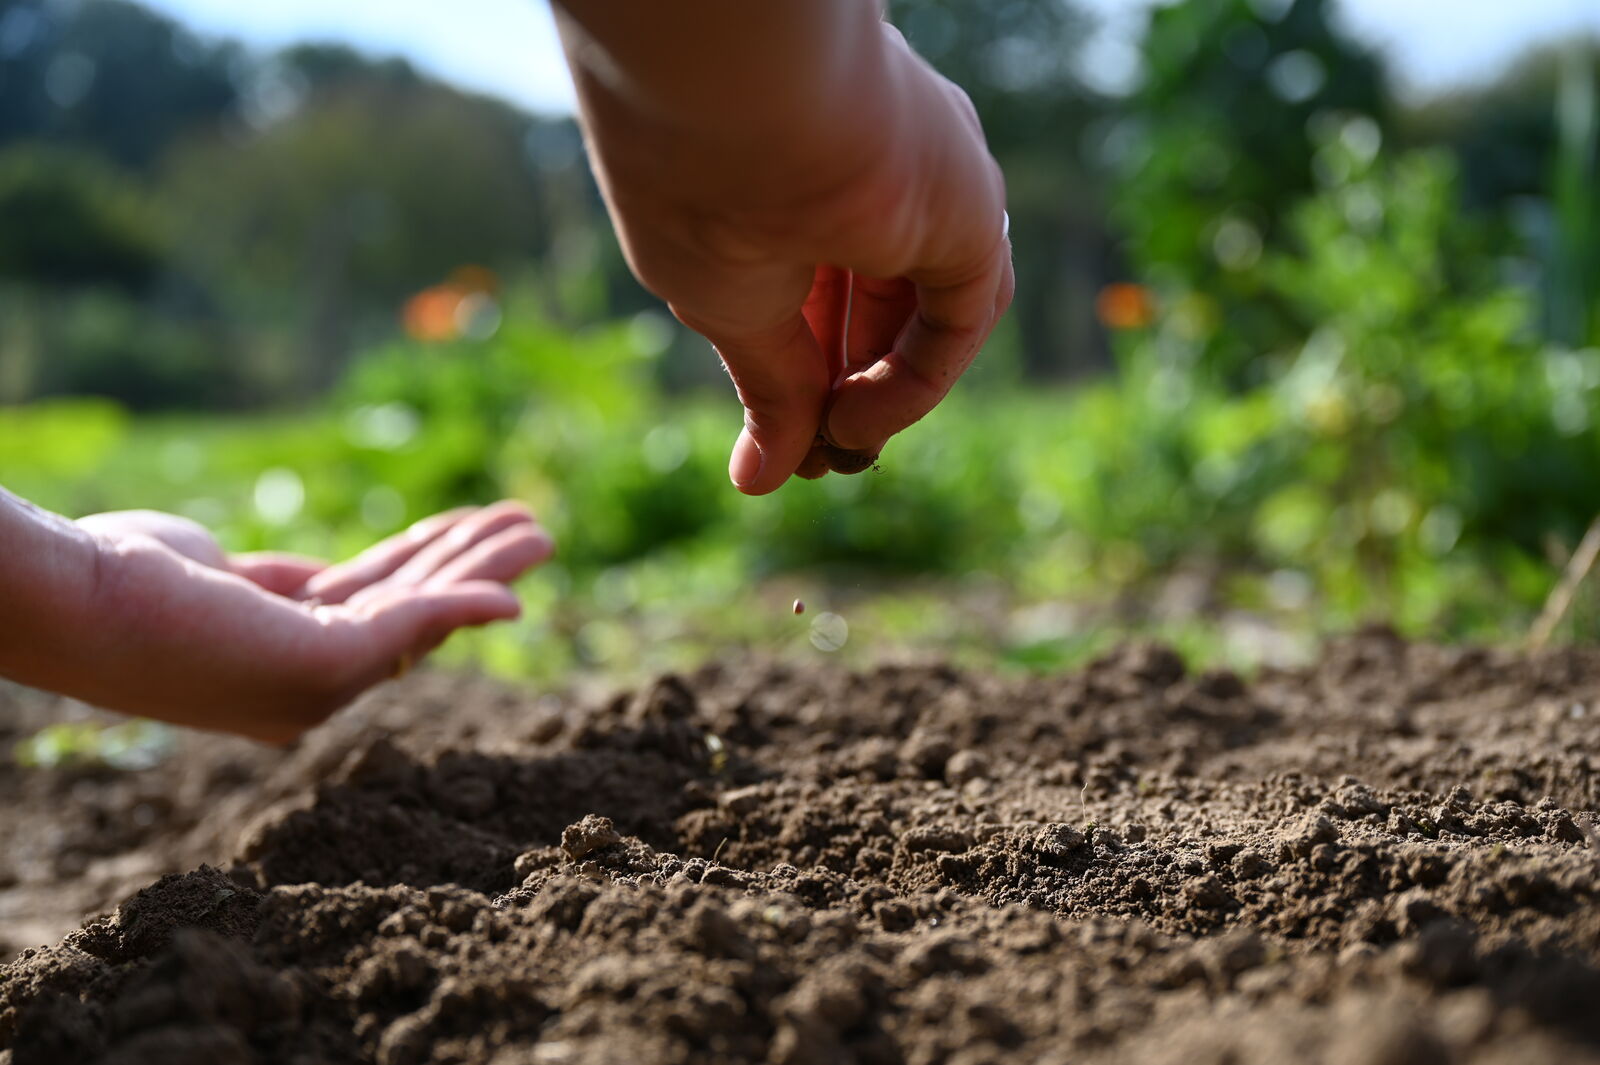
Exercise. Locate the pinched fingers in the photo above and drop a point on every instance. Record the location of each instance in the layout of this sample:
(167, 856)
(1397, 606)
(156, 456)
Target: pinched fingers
(953, 256)
(937, 344)
(879, 311)
(827, 311)
(782, 379)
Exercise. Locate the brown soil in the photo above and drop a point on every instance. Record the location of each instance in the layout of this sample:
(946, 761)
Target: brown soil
(1385, 859)
(827, 457)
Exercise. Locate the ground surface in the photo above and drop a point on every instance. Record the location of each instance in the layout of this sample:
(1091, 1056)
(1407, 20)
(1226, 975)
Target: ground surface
(1384, 859)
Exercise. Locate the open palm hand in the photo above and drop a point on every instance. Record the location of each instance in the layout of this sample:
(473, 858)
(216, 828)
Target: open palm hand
(268, 645)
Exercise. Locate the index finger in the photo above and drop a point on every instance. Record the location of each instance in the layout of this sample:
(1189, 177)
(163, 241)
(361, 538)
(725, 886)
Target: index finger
(941, 339)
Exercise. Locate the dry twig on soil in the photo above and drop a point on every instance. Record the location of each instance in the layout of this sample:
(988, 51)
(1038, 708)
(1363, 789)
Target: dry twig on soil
(1562, 595)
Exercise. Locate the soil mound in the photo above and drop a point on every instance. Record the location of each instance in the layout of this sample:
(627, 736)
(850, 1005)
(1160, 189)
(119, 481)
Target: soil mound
(1386, 858)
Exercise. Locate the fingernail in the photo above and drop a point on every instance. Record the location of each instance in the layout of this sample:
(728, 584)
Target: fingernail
(745, 464)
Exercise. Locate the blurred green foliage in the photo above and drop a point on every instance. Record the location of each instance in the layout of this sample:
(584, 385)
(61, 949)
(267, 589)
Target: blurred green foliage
(1411, 458)
(269, 213)
(1421, 447)
(1218, 145)
(129, 745)
(71, 222)
(114, 76)
(1357, 378)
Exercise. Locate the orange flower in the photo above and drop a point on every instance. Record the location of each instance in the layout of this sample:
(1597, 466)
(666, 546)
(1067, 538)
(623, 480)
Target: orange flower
(431, 313)
(435, 313)
(1124, 305)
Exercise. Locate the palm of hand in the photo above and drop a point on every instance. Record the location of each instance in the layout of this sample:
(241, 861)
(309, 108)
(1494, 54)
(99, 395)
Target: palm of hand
(340, 627)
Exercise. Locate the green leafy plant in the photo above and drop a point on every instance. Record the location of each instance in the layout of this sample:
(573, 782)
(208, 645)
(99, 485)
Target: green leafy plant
(131, 745)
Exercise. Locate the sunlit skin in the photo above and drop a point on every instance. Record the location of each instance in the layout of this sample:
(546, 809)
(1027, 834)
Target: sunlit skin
(768, 164)
(143, 612)
(788, 175)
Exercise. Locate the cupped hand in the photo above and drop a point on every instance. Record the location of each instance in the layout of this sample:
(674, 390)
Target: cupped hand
(268, 645)
(846, 293)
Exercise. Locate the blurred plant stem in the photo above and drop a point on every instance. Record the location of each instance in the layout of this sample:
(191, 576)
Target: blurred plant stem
(1572, 301)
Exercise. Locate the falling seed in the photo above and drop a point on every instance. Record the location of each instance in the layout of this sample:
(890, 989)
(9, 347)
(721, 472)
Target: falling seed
(829, 632)
(799, 607)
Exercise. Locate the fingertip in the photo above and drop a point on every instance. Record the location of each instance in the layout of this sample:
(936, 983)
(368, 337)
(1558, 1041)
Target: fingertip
(546, 546)
(750, 468)
(503, 557)
(516, 551)
(746, 463)
(492, 597)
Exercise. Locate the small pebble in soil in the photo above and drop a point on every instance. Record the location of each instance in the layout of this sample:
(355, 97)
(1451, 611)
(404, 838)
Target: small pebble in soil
(829, 632)
(799, 607)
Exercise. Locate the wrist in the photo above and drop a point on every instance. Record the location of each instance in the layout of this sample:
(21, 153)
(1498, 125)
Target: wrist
(779, 127)
(154, 633)
(48, 571)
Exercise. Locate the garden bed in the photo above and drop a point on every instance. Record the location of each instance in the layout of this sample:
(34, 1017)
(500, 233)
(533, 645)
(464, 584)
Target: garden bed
(1384, 858)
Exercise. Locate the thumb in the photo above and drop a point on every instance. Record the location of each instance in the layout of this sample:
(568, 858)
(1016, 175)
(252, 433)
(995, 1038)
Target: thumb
(782, 380)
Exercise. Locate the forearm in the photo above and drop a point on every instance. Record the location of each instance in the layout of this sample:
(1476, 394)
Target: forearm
(732, 92)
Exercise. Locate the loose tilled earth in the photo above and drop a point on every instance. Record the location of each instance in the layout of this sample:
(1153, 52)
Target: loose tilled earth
(1383, 859)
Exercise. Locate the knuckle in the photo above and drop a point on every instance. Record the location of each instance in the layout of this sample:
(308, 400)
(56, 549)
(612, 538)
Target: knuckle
(769, 408)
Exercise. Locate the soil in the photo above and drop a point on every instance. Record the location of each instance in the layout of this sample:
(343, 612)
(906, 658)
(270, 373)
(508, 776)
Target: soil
(1384, 859)
(827, 457)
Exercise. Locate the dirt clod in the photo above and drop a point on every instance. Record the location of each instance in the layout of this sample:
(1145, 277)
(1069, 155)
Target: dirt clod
(825, 457)
(590, 834)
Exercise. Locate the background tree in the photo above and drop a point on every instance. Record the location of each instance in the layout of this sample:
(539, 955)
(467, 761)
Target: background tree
(71, 220)
(371, 189)
(1528, 143)
(108, 76)
(1219, 142)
